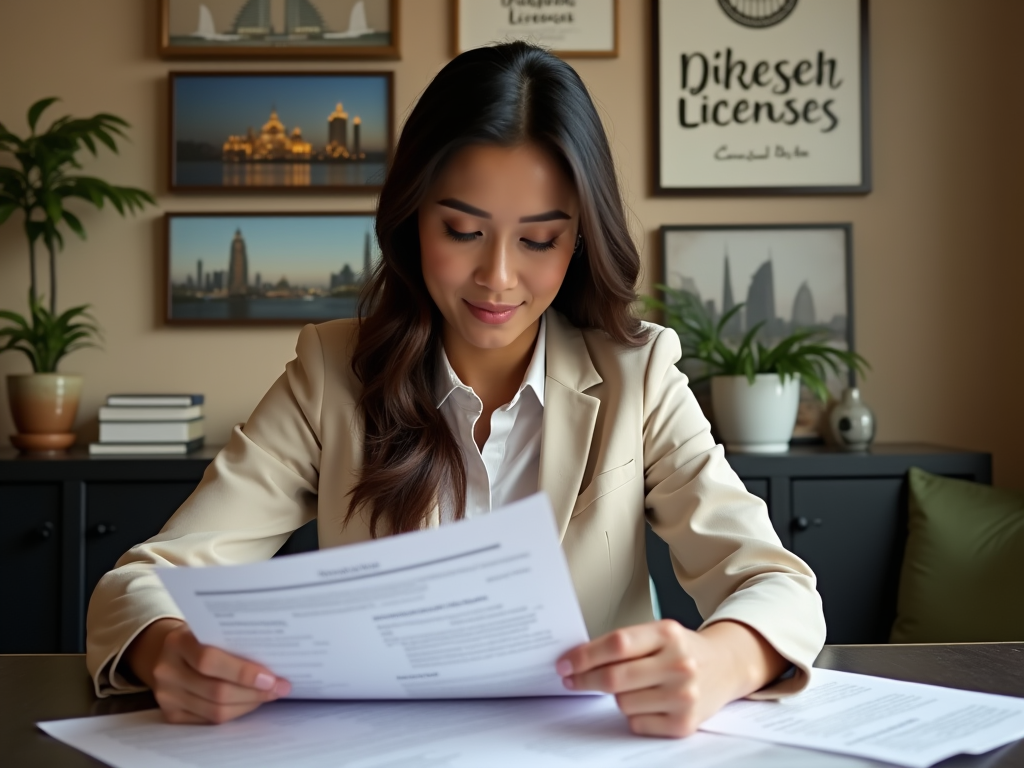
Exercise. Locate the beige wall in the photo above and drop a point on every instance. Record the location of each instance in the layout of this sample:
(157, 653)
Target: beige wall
(1007, 366)
(936, 264)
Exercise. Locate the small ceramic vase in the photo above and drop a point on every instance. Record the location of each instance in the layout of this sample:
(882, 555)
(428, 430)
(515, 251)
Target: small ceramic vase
(851, 422)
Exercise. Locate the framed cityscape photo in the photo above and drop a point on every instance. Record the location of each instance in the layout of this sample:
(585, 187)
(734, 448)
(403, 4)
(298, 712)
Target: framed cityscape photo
(351, 29)
(252, 131)
(266, 268)
(576, 29)
(761, 97)
(789, 277)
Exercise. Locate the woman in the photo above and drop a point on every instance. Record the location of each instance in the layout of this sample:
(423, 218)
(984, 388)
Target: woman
(497, 356)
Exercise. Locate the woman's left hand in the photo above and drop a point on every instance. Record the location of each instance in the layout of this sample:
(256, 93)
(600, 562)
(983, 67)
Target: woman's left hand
(667, 679)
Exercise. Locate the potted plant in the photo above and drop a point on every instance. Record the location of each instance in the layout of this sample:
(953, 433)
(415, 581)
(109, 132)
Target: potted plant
(755, 389)
(38, 184)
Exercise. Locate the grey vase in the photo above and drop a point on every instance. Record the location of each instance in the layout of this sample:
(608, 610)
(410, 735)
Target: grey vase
(851, 422)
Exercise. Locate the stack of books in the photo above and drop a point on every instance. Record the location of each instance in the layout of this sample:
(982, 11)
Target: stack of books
(150, 425)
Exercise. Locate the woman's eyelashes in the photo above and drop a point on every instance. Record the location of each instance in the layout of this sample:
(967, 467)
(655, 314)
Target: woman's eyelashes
(460, 237)
(535, 246)
(465, 237)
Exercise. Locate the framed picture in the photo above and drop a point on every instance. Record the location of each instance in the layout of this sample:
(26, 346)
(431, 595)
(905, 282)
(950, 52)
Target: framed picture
(251, 131)
(761, 97)
(580, 28)
(349, 29)
(788, 276)
(265, 268)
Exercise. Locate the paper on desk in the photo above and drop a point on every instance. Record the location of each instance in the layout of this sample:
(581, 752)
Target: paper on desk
(540, 733)
(904, 723)
(479, 608)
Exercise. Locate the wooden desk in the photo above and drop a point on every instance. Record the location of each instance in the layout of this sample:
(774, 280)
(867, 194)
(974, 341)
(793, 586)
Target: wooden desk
(53, 687)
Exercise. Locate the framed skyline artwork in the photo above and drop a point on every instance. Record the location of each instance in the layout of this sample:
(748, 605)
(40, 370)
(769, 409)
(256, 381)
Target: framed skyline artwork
(265, 268)
(788, 276)
(760, 97)
(353, 29)
(253, 131)
(576, 29)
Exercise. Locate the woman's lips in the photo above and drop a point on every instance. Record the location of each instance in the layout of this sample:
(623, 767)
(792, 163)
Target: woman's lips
(492, 314)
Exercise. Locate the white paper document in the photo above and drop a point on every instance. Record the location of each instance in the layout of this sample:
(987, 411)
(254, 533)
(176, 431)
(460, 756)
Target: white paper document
(889, 720)
(476, 609)
(586, 732)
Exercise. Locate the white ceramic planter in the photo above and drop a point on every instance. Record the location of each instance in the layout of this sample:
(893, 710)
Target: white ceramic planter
(758, 417)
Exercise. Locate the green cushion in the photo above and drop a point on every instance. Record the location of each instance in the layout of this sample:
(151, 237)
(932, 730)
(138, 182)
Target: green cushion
(963, 571)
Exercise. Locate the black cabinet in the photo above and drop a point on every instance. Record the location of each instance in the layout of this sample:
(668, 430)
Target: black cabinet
(65, 521)
(120, 515)
(30, 568)
(845, 515)
(851, 534)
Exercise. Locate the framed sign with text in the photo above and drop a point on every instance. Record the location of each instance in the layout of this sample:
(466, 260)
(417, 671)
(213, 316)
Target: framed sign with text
(761, 97)
(570, 28)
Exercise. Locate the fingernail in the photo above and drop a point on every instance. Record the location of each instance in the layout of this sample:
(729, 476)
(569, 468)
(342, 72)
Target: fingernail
(282, 688)
(563, 667)
(264, 682)
(568, 683)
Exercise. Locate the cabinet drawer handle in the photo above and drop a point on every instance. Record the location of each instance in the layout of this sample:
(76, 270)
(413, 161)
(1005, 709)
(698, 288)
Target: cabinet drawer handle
(104, 529)
(802, 523)
(46, 530)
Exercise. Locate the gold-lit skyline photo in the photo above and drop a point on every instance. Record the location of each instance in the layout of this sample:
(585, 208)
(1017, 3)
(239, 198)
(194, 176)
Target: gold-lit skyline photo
(280, 130)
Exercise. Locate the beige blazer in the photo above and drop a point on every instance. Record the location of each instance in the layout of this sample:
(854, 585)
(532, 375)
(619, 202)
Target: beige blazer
(624, 441)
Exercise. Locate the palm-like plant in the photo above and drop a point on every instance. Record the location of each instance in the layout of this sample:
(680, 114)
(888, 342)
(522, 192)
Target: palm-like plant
(802, 353)
(39, 185)
(48, 337)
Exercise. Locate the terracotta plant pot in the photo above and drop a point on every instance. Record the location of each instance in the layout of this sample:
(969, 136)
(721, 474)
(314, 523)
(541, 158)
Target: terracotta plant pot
(44, 406)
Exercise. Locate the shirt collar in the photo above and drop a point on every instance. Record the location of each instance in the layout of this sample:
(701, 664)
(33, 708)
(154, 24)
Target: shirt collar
(449, 381)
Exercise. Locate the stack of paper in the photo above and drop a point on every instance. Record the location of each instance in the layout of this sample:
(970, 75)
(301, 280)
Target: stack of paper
(482, 609)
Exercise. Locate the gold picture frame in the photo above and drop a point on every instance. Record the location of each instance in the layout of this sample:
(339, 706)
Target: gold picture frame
(257, 29)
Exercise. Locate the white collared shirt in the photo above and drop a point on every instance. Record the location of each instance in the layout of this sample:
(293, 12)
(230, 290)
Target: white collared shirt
(508, 466)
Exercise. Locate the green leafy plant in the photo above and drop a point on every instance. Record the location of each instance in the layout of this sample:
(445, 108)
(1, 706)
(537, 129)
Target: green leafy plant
(803, 353)
(39, 184)
(48, 337)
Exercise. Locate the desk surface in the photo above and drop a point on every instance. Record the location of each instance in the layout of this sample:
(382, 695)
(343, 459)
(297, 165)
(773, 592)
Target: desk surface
(54, 687)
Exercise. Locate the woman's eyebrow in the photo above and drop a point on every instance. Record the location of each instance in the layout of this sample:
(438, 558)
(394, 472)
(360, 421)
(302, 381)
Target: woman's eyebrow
(458, 205)
(547, 216)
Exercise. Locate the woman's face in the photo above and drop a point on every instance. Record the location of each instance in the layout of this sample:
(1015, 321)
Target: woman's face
(497, 231)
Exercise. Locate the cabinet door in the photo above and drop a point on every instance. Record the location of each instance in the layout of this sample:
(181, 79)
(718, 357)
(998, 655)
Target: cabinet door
(672, 599)
(851, 534)
(30, 568)
(120, 515)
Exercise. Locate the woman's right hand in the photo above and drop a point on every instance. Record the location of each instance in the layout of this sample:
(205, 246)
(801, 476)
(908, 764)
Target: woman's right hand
(195, 683)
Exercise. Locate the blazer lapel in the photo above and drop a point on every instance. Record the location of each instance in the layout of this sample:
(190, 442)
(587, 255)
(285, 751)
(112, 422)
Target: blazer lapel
(569, 417)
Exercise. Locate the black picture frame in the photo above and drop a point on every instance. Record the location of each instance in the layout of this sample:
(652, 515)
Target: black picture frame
(214, 304)
(864, 186)
(843, 234)
(374, 167)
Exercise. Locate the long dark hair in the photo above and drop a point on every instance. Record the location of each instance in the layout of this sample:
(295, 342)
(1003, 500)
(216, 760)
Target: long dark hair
(504, 95)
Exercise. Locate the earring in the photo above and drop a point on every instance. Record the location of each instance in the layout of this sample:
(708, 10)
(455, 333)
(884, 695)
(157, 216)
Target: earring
(579, 244)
